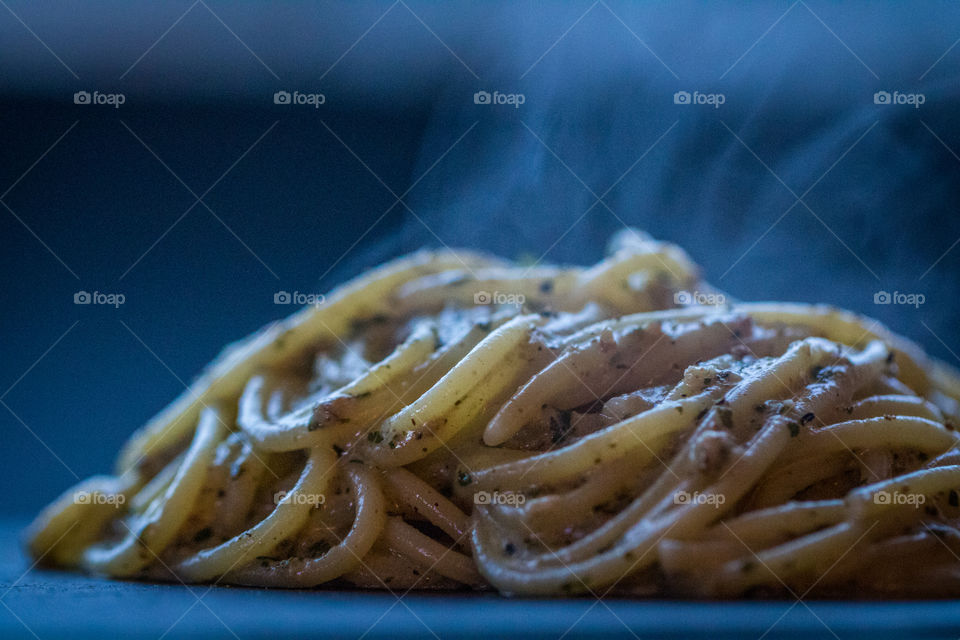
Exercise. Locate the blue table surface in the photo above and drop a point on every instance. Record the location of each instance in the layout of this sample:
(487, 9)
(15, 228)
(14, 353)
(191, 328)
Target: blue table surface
(51, 604)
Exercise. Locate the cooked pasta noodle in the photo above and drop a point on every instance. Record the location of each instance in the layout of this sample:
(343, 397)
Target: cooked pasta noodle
(451, 420)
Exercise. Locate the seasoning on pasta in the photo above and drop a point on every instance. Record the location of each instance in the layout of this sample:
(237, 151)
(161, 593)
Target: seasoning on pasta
(453, 420)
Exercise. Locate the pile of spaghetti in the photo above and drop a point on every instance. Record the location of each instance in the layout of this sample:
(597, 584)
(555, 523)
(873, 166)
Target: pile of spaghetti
(453, 420)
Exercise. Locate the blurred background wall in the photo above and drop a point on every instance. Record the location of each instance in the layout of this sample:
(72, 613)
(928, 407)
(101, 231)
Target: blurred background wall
(801, 151)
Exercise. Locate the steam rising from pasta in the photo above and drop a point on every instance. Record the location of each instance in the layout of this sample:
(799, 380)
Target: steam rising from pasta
(454, 420)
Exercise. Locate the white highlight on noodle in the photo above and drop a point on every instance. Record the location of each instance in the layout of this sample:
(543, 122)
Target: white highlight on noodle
(411, 432)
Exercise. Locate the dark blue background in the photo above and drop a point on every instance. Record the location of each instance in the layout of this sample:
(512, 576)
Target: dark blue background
(311, 204)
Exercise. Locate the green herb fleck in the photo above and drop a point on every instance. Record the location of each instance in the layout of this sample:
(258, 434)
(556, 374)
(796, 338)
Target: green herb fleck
(725, 415)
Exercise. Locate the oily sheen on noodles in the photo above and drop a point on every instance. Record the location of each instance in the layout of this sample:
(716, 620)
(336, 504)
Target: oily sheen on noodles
(454, 420)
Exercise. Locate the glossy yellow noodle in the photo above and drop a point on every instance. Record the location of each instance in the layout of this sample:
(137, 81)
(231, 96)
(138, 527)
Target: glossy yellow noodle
(303, 428)
(151, 531)
(289, 515)
(406, 540)
(465, 391)
(225, 378)
(452, 420)
(63, 530)
(429, 502)
(346, 556)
